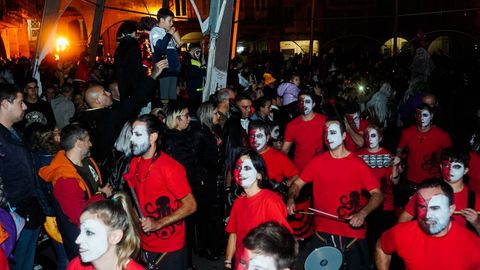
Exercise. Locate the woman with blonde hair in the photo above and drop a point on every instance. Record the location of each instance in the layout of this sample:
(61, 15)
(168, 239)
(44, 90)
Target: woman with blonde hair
(108, 236)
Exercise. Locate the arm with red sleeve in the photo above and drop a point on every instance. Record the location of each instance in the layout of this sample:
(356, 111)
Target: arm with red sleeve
(72, 198)
(371, 184)
(409, 212)
(176, 181)
(385, 247)
(289, 170)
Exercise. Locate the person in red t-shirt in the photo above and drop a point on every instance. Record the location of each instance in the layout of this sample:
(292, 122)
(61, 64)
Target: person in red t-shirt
(466, 201)
(433, 241)
(355, 127)
(279, 167)
(306, 132)
(164, 197)
(108, 236)
(385, 168)
(424, 143)
(254, 207)
(339, 179)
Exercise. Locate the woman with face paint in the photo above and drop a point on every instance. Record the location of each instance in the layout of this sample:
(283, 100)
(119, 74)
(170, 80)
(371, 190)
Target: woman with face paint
(108, 236)
(454, 166)
(255, 206)
(385, 169)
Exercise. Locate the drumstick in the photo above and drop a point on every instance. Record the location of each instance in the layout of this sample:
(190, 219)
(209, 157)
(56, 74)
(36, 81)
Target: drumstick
(460, 212)
(326, 214)
(137, 205)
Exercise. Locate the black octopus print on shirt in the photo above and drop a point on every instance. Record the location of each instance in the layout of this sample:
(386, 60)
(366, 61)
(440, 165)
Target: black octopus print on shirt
(162, 209)
(349, 204)
(431, 164)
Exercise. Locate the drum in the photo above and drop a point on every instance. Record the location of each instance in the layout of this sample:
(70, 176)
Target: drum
(324, 258)
(301, 224)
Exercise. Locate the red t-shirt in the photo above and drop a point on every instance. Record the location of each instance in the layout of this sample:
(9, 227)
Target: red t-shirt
(337, 190)
(459, 198)
(349, 143)
(3, 260)
(76, 264)
(307, 137)
(424, 150)
(160, 187)
(458, 249)
(474, 172)
(380, 163)
(278, 165)
(249, 212)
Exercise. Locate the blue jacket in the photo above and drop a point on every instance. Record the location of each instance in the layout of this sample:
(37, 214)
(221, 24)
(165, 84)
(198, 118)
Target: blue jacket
(163, 44)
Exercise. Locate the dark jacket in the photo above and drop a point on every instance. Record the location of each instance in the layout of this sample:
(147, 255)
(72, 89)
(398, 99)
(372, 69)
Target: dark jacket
(235, 137)
(210, 159)
(106, 123)
(183, 147)
(194, 74)
(128, 66)
(18, 170)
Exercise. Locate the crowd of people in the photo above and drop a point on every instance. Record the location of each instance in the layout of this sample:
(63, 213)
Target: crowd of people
(121, 165)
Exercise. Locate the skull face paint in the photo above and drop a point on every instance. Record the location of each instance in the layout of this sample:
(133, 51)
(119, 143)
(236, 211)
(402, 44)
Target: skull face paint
(254, 261)
(275, 133)
(140, 140)
(93, 239)
(372, 138)
(424, 118)
(244, 173)
(305, 104)
(332, 135)
(353, 119)
(433, 213)
(452, 172)
(258, 139)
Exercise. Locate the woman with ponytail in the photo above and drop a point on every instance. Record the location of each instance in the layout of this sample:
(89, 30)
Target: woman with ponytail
(108, 237)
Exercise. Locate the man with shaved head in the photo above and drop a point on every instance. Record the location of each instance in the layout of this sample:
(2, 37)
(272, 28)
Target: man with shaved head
(106, 119)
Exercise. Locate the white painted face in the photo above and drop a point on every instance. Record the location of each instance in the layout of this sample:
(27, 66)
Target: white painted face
(424, 117)
(306, 104)
(373, 139)
(245, 173)
(261, 262)
(436, 217)
(354, 119)
(453, 171)
(333, 136)
(93, 239)
(275, 133)
(140, 140)
(258, 139)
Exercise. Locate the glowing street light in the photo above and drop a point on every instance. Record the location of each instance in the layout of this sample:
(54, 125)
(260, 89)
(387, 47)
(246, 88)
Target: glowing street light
(61, 44)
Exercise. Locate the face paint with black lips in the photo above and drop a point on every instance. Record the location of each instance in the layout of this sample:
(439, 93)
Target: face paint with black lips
(244, 173)
(423, 117)
(372, 138)
(452, 172)
(258, 139)
(305, 104)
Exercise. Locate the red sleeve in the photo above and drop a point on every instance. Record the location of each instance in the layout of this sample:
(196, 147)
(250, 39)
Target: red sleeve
(279, 212)
(403, 140)
(410, 206)
(369, 181)
(76, 264)
(288, 168)
(177, 183)
(232, 220)
(448, 141)
(72, 199)
(388, 241)
(307, 174)
(289, 132)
